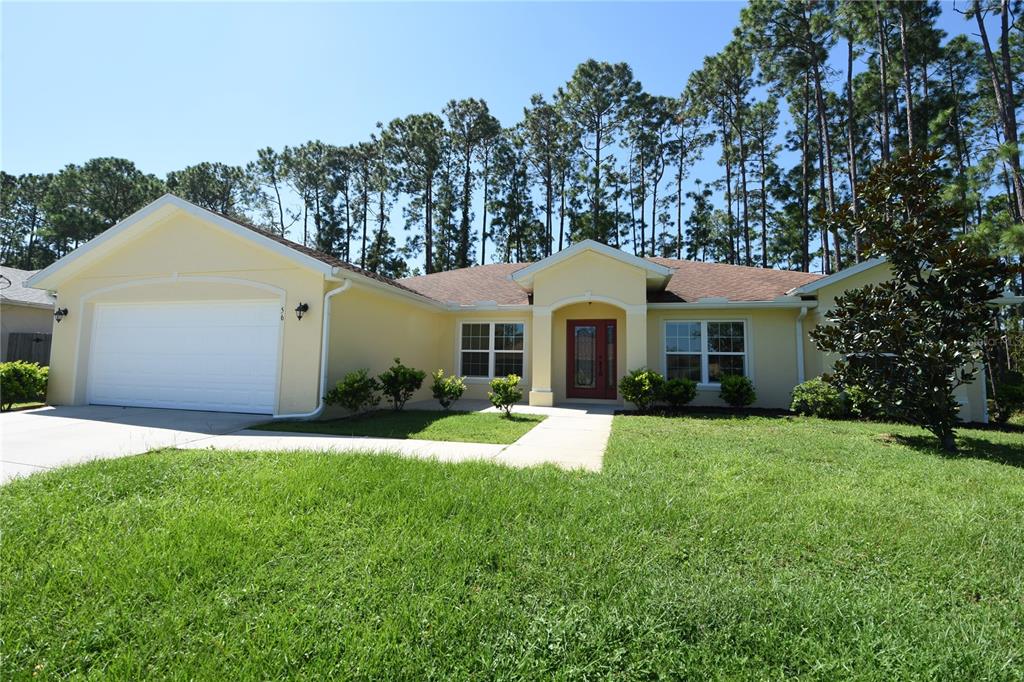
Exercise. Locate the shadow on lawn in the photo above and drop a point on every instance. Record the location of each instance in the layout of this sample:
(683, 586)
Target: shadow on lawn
(1009, 454)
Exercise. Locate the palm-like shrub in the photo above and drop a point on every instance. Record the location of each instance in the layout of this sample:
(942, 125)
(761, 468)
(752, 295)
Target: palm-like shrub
(447, 389)
(642, 387)
(505, 392)
(399, 383)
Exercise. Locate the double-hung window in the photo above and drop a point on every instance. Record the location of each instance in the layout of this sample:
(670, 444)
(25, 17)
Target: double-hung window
(705, 351)
(491, 349)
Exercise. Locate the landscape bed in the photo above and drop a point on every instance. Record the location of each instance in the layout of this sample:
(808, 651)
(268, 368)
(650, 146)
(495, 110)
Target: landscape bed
(707, 547)
(469, 427)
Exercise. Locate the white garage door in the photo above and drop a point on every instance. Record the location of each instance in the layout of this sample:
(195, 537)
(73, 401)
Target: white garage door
(219, 356)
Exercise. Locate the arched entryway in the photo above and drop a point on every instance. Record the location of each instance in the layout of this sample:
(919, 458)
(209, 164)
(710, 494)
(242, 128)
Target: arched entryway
(583, 347)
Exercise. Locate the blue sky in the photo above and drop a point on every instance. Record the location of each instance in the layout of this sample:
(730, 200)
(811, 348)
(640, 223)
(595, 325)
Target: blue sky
(168, 85)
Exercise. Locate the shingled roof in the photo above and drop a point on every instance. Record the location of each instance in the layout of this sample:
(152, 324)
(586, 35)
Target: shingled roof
(13, 289)
(694, 280)
(690, 282)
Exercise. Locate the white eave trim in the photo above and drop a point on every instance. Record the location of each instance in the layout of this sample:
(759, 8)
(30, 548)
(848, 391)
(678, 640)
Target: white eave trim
(28, 304)
(712, 303)
(45, 278)
(811, 287)
(654, 271)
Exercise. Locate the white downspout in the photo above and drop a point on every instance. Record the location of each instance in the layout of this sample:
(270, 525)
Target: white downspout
(800, 345)
(323, 356)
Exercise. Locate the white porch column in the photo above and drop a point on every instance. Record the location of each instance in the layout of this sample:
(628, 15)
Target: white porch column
(540, 365)
(636, 337)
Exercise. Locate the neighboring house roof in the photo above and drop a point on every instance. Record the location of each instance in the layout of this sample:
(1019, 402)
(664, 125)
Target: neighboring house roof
(689, 282)
(14, 291)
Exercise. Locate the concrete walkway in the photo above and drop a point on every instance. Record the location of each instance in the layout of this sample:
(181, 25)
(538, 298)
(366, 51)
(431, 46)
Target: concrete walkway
(572, 437)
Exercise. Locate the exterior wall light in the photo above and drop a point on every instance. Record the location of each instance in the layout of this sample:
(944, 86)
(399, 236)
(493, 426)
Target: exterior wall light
(60, 314)
(301, 310)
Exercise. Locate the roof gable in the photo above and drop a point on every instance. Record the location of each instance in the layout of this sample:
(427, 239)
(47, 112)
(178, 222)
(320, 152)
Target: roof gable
(828, 280)
(150, 215)
(656, 273)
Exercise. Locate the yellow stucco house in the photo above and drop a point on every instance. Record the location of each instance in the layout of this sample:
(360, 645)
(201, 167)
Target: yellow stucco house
(179, 307)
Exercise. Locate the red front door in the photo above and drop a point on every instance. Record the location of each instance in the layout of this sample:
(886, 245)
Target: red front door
(590, 359)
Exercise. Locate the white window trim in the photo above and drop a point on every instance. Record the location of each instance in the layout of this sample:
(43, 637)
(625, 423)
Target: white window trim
(491, 351)
(705, 383)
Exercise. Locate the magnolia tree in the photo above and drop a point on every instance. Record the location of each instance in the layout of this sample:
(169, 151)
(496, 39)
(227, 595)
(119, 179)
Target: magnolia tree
(911, 341)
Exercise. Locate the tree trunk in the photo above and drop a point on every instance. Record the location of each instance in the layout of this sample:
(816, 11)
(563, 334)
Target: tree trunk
(366, 216)
(561, 209)
(679, 199)
(826, 258)
(747, 257)
(883, 80)
(428, 228)
(826, 140)
(804, 172)
(596, 208)
(483, 224)
(764, 207)
(733, 255)
(1007, 115)
(908, 98)
(851, 147)
(462, 259)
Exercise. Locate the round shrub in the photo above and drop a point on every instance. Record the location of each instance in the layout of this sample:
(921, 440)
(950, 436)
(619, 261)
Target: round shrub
(678, 392)
(642, 387)
(737, 390)
(1009, 396)
(447, 389)
(399, 383)
(357, 391)
(505, 392)
(818, 398)
(861, 405)
(22, 382)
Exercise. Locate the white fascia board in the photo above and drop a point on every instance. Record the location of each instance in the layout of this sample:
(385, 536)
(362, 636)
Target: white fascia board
(712, 304)
(835, 277)
(28, 304)
(48, 278)
(525, 276)
(488, 306)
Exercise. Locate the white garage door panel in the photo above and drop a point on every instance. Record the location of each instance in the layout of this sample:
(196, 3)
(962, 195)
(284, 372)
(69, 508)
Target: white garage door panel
(203, 356)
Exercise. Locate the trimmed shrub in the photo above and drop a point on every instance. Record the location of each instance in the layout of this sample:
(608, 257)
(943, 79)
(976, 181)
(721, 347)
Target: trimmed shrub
(22, 382)
(1009, 396)
(861, 405)
(505, 392)
(642, 387)
(356, 392)
(678, 392)
(399, 383)
(447, 389)
(737, 390)
(818, 398)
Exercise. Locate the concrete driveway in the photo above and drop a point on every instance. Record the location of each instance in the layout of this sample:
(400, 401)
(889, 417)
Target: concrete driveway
(54, 436)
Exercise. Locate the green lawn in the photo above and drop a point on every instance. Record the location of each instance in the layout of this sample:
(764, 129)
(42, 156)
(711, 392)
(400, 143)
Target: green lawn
(469, 427)
(17, 407)
(707, 547)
